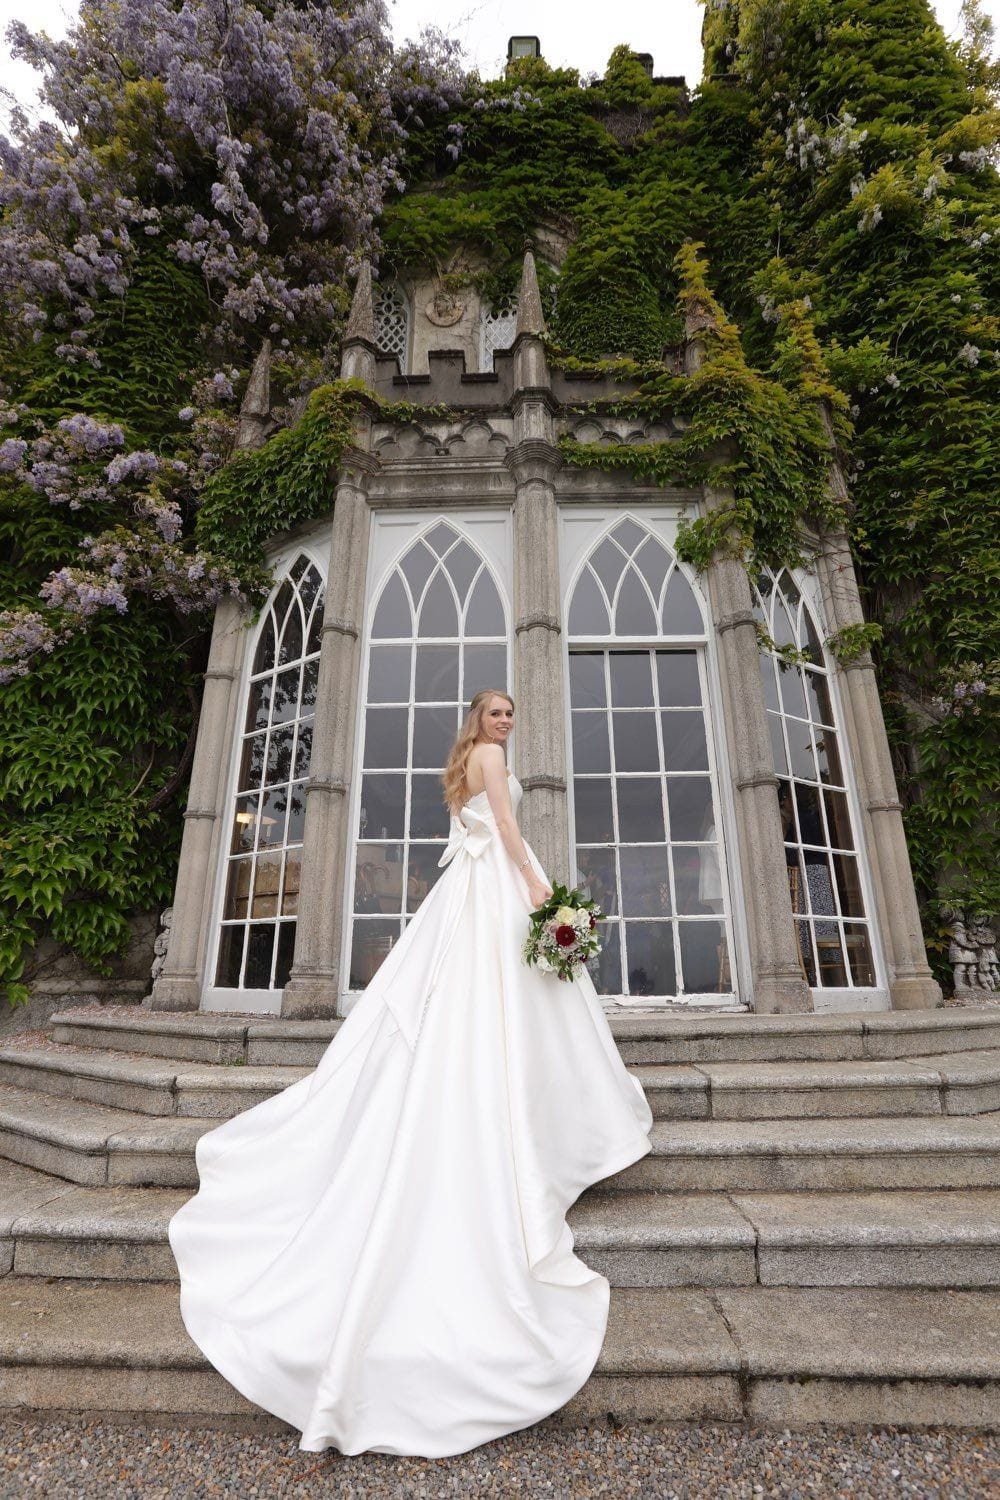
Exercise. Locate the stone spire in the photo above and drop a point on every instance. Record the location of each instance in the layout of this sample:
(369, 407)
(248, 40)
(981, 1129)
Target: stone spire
(255, 424)
(359, 348)
(529, 303)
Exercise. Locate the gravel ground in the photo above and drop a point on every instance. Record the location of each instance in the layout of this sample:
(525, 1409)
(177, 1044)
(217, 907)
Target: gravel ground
(79, 1458)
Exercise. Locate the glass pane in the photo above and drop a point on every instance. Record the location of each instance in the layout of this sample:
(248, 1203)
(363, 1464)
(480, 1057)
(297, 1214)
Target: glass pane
(434, 731)
(819, 883)
(796, 882)
(273, 810)
(685, 747)
(237, 889)
(653, 561)
(418, 565)
(778, 755)
(608, 963)
(592, 802)
(315, 636)
(845, 869)
(634, 611)
(595, 875)
(372, 941)
(382, 807)
(290, 889)
(441, 537)
(590, 742)
(832, 968)
(692, 816)
(769, 683)
(818, 694)
(640, 810)
(608, 562)
(586, 679)
(800, 749)
(677, 679)
(484, 615)
(463, 564)
(264, 655)
(793, 696)
(588, 613)
(310, 679)
(227, 974)
(859, 954)
(429, 818)
(629, 534)
(260, 950)
(681, 615)
(645, 881)
(631, 679)
(436, 679)
(251, 763)
(485, 667)
(786, 813)
(423, 873)
(259, 706)
(697, 879)
(244, 824)
(392, 617)
(378, 878)
(286, 695)
(266, 881)
(804, 930)
(828, 754)
(838, 820)
(303, 749)
(437, 613)
(704, 959)
(636, 747)
(296, 814)
(285, 954)
(389, 674)
(292, 635)
(279, 754)
(309, 587)
(385, 737)
(650, 949)
(810, 821)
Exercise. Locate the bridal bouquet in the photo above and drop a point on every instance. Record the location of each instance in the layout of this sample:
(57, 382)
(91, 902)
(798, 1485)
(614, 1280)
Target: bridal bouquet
(563, 933)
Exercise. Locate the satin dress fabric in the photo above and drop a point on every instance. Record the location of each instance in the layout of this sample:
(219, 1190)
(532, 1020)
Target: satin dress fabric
(379, 1255)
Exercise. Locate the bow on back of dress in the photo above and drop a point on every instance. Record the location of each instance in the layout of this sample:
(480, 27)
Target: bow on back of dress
(471, 829)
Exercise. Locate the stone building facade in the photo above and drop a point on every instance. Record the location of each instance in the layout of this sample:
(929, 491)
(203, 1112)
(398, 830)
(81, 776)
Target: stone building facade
(734, 814)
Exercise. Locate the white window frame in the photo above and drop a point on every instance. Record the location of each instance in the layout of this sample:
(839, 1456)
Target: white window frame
(581, 528)
(315, 545)
(490, 532)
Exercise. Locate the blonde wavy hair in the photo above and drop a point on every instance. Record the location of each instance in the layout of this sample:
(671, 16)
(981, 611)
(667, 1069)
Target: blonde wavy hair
(456, 787)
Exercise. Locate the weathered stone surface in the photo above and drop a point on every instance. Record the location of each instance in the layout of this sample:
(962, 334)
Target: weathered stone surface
(874, 1403)
(757, 1091)
(660, 1239)
(970, 1080)
(22, 1189)
(653, 1398)
(665, 1333)
(679, 1093)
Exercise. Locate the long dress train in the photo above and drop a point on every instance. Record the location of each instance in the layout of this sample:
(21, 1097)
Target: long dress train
(379, 1255)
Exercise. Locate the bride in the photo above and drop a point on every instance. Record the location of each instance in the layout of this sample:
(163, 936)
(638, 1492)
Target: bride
(379, 1254)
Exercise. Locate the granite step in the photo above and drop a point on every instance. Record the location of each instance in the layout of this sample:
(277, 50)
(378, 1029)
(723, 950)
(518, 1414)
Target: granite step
(785, 1357)
(650, 1038)
(51, 1227)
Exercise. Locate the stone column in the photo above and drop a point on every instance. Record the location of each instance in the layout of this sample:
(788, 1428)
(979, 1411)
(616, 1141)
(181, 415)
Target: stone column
(179, 986)
(314, 985)
(777, 979)
(538, 650)
(911, 983)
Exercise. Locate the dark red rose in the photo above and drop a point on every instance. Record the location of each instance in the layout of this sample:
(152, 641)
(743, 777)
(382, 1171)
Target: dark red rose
(593, 921)
(565, 935)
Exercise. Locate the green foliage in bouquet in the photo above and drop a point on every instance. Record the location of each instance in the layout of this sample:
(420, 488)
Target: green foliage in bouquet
(563, 933)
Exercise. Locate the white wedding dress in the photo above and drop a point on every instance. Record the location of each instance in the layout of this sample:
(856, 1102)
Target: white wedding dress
(379, 1255)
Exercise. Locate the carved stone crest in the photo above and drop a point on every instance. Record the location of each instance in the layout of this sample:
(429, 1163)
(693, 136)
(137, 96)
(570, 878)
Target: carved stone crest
(445, 308)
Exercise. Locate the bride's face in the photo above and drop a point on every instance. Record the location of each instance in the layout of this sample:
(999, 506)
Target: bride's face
(497, 720)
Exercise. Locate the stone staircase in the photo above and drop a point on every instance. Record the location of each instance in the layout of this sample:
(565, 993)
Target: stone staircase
(814, 1237)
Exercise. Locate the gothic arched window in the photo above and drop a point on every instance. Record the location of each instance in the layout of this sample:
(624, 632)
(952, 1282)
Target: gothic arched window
(392, 322)
(648, 833)
(260, 903)
(821, 851)
(438, 635)
(497, 326)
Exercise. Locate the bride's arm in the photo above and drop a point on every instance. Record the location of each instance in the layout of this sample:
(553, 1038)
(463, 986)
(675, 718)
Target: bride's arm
(498, 795)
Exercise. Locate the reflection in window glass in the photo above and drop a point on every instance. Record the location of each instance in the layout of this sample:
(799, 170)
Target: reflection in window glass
(262, 883)
(420, 658)
(820, 848)
(645, 801)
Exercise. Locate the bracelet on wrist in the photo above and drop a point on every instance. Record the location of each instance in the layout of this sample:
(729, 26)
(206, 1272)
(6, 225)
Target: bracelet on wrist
(525, 861)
